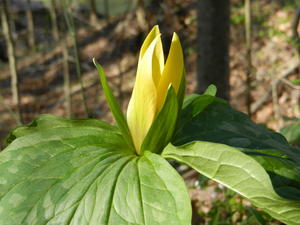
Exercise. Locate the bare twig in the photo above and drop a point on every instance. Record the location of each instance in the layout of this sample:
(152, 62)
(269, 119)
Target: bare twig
(295, 25)
(68, 104)
(72, 30)
(82, 20)
(53, 16)
(276, 107)
(65, 56)
(289, 83)
(296, 37)
(12, 58)
(248, 55)
(30, 24)
(290, 70)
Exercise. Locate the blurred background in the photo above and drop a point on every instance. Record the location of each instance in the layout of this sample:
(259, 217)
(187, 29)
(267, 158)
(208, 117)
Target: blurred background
(248, 49)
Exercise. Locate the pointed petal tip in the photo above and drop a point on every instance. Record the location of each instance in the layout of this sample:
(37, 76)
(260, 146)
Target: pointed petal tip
(175, 38)
(150, 37)
(156, 29)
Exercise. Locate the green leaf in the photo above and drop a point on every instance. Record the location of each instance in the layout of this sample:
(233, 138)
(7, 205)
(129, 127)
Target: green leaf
(292, 132)
(162, 129)
(192, 106)
(237, 171)
(208, 119)
(296, 81)
(258, 216)
(215, 121)
(47, 121)
(81, 172)
(211, 90)
(114, 106)
(181, 91)
(218, 122)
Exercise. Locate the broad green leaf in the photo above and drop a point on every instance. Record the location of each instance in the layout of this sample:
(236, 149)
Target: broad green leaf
(114, 106)
(206, 118)
(215, 121)
(193, 105)
(162, 129)
(283, 172)
(237, 171)
(292, 132)
(81, 172)
(47, 121)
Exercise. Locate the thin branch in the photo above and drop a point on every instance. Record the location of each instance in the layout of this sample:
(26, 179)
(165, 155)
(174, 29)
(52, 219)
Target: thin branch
(296, 35)
(72, 30)
(53, 16)
(248, 54)
(12, 57)
(68, 103)
(276, 107)
(30, 24)
(289, 83)
(290, 70)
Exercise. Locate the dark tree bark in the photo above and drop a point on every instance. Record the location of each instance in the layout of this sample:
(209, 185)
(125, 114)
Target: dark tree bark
(213, 45)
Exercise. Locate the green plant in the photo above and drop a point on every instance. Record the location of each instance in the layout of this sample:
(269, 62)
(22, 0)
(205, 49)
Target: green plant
(292, 131)
(86, 172)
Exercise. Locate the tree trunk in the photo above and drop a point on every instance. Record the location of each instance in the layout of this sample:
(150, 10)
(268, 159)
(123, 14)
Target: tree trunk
(30, 25)
(213, 46)
(11, 57)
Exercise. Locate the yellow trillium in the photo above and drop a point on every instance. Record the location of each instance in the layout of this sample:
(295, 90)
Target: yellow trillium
(153, 79)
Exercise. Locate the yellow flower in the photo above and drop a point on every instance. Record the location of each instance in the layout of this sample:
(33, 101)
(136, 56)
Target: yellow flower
(153, 79)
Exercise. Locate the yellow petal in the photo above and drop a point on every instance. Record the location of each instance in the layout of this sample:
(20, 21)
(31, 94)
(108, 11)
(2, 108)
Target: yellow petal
(142, 105)
(150, 37)
(158, 57)
(172, 73)
(158, 62)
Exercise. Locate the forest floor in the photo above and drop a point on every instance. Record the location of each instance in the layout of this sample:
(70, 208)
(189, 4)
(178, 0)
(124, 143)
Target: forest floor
(116, 46)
